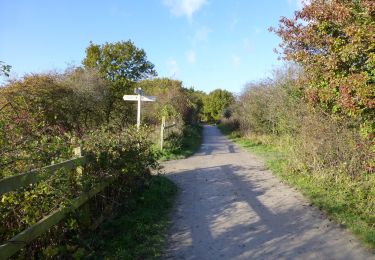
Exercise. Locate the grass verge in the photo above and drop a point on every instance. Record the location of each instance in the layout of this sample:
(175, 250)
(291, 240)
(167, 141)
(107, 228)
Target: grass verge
(340, 200)
(138, 230)
(190, 143)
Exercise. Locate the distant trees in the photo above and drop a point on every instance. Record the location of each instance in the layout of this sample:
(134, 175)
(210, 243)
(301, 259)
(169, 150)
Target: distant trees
(215, 103)
(196, 100)
(333, 41)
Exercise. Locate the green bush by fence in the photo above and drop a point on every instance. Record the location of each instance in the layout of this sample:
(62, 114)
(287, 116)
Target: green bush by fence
(116, 163)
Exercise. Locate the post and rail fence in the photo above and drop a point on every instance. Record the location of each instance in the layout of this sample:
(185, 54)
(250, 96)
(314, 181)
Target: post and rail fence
(13, 183)
(13, 245)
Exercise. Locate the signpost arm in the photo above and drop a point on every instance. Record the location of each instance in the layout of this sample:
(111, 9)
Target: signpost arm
(139, 98)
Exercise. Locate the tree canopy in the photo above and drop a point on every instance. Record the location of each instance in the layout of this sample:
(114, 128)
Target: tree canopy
(120, 62)
(334, 42)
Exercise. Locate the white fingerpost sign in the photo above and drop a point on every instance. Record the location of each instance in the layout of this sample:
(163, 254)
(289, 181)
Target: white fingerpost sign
(139, 98)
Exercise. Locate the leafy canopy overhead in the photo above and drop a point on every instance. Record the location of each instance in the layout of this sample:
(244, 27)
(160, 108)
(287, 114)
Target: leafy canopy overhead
(120, 62)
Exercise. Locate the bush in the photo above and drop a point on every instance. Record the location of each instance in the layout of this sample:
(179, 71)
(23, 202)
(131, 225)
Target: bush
(273, 106)
(27, 141)
(315, 139)
(42, 118)
(332, 146)
(123, 154)
(333, 42)
(120, 151)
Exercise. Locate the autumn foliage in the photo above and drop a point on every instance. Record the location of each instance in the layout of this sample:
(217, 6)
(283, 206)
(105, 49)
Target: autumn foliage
(334, 42)
(317, 113)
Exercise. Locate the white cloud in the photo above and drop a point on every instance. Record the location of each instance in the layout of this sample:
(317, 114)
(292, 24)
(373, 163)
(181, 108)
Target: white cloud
(190, 56)
(173, 67)
(184, 7)
(236, 60)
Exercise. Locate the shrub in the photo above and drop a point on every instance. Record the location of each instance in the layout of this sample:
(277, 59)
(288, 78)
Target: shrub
(42, 118)
(319, 141)
(124, 154)
(333, 42)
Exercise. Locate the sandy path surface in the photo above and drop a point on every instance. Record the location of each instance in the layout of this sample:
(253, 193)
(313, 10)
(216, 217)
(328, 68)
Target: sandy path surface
(230, 207)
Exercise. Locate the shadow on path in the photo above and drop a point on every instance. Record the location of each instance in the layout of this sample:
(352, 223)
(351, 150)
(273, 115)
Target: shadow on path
(230, 207)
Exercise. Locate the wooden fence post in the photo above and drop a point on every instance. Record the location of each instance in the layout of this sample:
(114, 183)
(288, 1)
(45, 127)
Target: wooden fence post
(85, 208)
(78, 153)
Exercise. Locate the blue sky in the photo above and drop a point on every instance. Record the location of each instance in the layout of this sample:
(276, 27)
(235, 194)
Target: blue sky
(207, 44)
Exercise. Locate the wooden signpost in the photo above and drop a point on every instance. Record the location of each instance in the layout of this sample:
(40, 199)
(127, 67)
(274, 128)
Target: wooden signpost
(139, 98)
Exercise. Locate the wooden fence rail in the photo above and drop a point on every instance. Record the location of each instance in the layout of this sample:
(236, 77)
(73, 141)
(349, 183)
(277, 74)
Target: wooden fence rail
(15, 182)
(12, 246)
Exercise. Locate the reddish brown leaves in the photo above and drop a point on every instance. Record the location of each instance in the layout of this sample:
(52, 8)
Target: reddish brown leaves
(334, 42)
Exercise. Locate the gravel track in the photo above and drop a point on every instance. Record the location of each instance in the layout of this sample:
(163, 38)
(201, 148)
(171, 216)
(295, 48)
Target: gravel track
(230, 207)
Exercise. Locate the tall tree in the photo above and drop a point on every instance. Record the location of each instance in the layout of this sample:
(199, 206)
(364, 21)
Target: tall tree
(120, 62)
(123, 64)
(334, 42)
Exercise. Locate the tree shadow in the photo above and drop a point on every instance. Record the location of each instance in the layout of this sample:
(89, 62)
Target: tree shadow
(222, 213)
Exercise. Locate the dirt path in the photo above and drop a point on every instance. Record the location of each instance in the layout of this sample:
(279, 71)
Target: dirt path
(230, 207)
